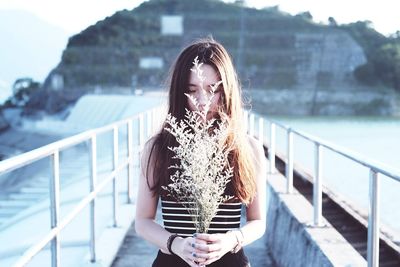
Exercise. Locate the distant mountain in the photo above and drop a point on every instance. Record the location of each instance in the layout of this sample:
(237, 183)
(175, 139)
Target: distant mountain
(271, 49)
(29, 46)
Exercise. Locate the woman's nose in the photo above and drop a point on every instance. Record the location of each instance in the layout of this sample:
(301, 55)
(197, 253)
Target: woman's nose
(202, 98)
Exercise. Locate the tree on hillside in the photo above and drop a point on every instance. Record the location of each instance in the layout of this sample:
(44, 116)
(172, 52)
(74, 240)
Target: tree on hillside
(384, 66)
(387, 64)
(305, 15)
(332, 21)
(383, 55)
(365, 35)
(23, 88)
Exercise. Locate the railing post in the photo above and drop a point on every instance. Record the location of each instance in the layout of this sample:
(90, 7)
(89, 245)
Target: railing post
(317, 186)
(93, 182)
(141, 131)
(271, 150)
(261, 130)
(115, 166)
(148, 123)
(251, 124)
(151, 121)
(130, 157)
(55, 207)
(373, 220)
(154, 120)
(289, 163)
(246, 120)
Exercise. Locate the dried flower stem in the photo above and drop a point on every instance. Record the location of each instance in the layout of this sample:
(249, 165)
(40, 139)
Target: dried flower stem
(203, 171)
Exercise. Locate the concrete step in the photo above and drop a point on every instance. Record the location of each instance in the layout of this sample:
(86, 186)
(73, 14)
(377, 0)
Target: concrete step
(37, 183)
(14, 203)
(69, 173)
(35, 190)
(7, 213)
(42, 179)
(68, 166)
(19, 196)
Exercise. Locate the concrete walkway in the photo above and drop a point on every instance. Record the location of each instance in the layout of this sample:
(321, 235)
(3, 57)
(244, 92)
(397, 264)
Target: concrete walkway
(136, 252)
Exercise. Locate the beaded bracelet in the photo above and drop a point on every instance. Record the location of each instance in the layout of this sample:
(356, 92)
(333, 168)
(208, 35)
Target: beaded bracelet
(169, 243)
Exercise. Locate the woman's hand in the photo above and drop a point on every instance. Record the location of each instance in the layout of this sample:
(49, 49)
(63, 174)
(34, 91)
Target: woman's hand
(211, 247)
(185, 249)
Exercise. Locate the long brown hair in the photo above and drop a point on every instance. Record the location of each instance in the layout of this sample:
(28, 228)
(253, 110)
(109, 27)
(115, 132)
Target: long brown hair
(214, 54)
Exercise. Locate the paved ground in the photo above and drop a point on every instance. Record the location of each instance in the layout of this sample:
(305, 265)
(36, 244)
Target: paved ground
(136, 252)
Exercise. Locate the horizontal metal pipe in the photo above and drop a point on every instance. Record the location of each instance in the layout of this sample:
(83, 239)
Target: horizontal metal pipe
(45, 151)
(385, 170)
(352, 156)
(24, 159)
(35, 249)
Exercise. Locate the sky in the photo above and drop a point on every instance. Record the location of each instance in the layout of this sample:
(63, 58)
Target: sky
(73, 16)
(76, 15)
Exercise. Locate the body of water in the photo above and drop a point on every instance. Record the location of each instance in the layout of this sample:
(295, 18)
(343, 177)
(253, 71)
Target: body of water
(374, 138)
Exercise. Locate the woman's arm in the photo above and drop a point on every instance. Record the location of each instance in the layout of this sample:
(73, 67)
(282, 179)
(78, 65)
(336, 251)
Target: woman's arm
(146, 204)
(257, 210)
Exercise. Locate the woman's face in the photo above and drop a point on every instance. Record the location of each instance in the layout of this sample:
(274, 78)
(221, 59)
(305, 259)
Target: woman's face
(194, 89)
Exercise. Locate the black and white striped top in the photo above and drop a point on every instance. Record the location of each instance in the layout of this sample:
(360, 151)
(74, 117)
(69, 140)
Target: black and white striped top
(177, 219)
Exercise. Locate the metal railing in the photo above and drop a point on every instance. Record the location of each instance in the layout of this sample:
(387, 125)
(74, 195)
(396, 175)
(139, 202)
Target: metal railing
(375, 171)
(52, 151)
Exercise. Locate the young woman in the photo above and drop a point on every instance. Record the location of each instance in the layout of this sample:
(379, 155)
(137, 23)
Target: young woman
(222, 245)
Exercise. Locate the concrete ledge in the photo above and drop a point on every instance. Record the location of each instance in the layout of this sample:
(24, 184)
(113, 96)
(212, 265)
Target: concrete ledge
(291, 239)
(108, 244)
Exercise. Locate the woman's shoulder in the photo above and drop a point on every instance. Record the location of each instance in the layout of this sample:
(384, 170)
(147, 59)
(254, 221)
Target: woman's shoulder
(147, 149)
(148, 159)
(149, 144)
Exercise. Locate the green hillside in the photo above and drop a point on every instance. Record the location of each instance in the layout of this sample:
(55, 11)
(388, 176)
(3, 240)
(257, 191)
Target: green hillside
(271, 49)
(383, 55)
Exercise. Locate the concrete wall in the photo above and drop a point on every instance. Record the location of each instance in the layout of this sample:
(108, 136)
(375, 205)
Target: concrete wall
(324, 102)
(294, 242)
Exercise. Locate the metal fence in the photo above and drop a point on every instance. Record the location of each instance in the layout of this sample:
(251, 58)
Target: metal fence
(149, 119)
(374, 175)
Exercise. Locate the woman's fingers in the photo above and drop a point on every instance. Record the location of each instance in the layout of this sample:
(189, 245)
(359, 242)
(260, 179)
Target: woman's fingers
(211, 257)
(187, 252)
(211, 247)
(195, 251)
(207, 237)
(207, 247)
(199, 258)
(195, 260)
(191, 260)
(207, 242)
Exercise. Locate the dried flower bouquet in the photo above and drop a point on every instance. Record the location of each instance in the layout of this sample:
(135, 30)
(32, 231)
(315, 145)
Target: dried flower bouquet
(203, 170)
